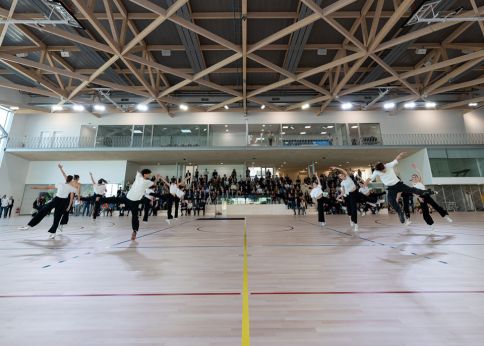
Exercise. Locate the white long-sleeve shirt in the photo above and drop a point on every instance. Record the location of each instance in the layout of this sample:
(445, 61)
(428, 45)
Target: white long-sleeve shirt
(388, 178)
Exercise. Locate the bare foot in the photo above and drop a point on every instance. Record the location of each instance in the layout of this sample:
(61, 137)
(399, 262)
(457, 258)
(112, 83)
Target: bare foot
(133, 236)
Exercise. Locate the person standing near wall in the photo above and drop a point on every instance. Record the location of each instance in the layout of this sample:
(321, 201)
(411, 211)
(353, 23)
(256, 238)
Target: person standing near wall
(11, 202)
(4, 206)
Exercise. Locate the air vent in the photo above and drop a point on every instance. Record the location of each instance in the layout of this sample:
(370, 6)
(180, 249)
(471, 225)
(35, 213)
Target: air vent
(124, 100)
(275, 99)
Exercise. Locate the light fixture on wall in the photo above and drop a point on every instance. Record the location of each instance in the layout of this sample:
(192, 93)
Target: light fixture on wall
(99, 107)
(346, 106)
(56, 108)
(226, 107)
(410, 105)
(471, 104)
(305, 106)
(142, 107)
(430, 104)
(78, 108)
(263, 107)
(183, 107)
(14, 108)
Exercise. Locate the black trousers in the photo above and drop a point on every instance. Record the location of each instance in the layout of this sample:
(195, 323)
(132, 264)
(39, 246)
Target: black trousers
(146, 206)
(392, 196)
(426, 212)
(352, 206)
(169, 205)
(10, 207)
(132, 206)
(60, 205)
(177, 204)
(321, 209)
(97, 205)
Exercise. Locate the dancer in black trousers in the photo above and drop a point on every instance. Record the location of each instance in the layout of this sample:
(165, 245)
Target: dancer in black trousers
(394, 185)
(99, 192)
(134, 197)
(61, 202)
(350, 194)
(426, 200)
(317, 195)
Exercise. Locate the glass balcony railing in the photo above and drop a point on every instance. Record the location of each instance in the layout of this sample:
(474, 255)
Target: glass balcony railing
(51, 143)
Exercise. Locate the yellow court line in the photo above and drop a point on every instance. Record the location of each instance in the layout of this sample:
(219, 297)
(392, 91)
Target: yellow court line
(245, 296)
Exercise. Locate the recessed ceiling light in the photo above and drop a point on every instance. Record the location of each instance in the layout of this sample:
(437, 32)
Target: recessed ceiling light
(283, 133)
(389, 105)
(285, 127)
(183, 107)
(263, 125)
(346, 106)
(307, 126)
(302, 133)
(14, 108)
(226, 125)
(330, 126)
(186, 131)
(315, 161)
(56, 108)
(227, 130)
(410, 105)
(78, 108)
(430, 104)
(226, 107)
(347, 162)
(305, 106)
(221, 163)
(472, 104)
(324, 132)
(99, 107)
(142, 107)
(262, 106)
(354, 126)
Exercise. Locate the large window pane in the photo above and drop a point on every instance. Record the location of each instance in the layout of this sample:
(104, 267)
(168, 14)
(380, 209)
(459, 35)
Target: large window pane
(114, 136)
(370, 134)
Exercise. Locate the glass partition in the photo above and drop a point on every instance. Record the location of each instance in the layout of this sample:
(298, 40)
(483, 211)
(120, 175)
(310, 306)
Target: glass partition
(114, 136)
(264, 134)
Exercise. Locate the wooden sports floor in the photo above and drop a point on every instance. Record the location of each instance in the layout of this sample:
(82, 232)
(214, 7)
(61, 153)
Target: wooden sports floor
(182, 284)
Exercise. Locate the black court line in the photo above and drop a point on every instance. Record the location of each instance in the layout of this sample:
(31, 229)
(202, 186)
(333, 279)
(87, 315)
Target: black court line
(369, 240)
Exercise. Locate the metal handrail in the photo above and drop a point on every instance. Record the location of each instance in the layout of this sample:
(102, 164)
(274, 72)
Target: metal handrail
(49, 143)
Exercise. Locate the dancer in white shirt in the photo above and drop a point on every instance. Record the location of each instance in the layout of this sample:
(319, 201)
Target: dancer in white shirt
(426, 200)
(317, 196)
(135, 195)
(395, 185)
(350, 194)
(61, 202)
(99, 192)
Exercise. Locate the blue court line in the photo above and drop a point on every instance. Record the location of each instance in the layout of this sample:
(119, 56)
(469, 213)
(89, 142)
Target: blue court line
(113, 246)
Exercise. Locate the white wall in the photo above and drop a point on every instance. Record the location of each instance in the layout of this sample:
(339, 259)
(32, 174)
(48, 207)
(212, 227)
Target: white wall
(421, 159)
(432, 121)
(13, 172)
(474, 121)
(47, 172)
